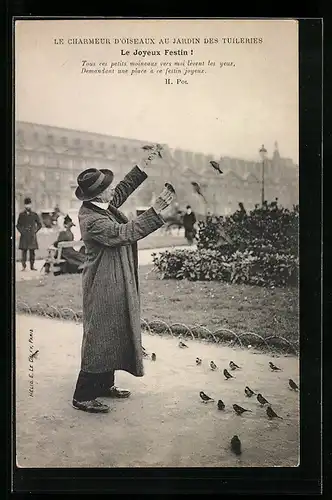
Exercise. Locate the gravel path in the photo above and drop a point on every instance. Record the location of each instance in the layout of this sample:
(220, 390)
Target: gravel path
(163, 424)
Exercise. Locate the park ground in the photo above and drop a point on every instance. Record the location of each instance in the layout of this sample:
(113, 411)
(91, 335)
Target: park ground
(163, 423)
(241, 308)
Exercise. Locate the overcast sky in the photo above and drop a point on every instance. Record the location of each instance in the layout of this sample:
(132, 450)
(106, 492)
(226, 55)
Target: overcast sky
(229, 111)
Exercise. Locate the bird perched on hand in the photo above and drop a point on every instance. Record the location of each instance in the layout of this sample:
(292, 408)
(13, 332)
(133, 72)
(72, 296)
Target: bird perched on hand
(221, 405)
(236, 445)
(198, 361)
(239, 410)
(182, 345)
(205, 398)
(227, 374)
(216, 166)
(233, 366)
(274, 367)
(198, 190)
(157, 149)
(271, 413)
(153, 356)
(213, 366)
(262, 400)
(248, 392)
(293, 385)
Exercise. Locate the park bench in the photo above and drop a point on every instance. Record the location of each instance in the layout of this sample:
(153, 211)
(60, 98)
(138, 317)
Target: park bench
(54, 259)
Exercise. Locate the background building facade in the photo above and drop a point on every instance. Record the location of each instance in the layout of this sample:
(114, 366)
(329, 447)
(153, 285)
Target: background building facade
(48, 160)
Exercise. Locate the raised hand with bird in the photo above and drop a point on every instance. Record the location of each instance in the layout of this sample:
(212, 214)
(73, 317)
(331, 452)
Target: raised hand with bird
(154, 151)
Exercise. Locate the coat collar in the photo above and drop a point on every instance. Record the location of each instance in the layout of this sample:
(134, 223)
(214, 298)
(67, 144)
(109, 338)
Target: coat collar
(110, 212)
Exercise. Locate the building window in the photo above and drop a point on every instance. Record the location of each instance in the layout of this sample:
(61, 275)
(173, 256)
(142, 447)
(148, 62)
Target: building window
(102, 145)
(77, 142)
(90, 143)
(50, 138)
(64, 140)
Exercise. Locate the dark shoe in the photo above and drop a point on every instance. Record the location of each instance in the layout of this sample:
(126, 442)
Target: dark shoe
(93, 406)
(33, 269)
(115, 392)
(23, 269)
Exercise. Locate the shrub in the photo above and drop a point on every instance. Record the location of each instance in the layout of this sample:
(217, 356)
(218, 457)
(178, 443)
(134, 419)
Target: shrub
(269, 269)
(259, 248)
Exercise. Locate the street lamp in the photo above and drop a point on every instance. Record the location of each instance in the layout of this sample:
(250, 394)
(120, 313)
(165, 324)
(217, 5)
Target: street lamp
(263, 153)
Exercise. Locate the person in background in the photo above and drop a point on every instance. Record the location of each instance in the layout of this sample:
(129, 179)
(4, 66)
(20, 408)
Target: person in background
(74, 260)
(111, 298)
(28, 225)
(189, 221)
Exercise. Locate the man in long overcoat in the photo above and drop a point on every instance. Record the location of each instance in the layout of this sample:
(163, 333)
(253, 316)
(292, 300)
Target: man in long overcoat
(111, 303)
(28, 225)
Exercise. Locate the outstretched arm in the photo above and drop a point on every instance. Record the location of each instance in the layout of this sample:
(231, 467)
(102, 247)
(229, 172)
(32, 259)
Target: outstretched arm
(109, 233)
(127, 186)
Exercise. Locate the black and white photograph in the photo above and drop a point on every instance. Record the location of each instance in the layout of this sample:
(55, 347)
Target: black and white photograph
(156, 166)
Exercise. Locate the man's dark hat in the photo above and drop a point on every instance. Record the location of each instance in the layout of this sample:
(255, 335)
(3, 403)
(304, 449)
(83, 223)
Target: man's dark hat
(92, 182)
(68, 220)
(188, 206)
(27, 201)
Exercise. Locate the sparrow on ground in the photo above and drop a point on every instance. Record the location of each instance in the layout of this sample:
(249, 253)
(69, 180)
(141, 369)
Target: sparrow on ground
(221, 405)
(274, 367)
(293, 385)
(233, 366)
(239, 410)
(145, 354)
(249, 392)
(227, 374)
(198, 361)
(271, 413)
(205, 398)
(213, 366)
(262, 400)
(236, 445)
(169, 186)
(182, 345)
(216, 166)
(153, 356)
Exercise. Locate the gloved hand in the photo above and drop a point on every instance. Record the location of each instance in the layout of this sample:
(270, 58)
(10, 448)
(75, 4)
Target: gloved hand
(164, 200)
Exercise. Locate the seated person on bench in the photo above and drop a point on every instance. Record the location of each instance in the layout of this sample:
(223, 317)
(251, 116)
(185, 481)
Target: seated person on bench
(74, 260)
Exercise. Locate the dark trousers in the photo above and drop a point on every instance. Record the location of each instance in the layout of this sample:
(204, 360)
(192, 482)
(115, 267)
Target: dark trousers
(91, 385)
(31, 258)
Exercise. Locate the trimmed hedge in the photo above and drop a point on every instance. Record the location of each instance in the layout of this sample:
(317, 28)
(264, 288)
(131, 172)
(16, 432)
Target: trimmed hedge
(263, 249)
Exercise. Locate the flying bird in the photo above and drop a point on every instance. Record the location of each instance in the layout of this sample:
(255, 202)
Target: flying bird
(262, 400)
(236, 445)
(248, 392)
(198, 361)
(198, 190)
(227, 374)
(274, 367)
(233, 366)
(239, 410)
(213, 366)
(153, 356)
(205, 398)
(216, 166)
(221, 405)
(293, 385)
(271, 413)
(182, 345)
